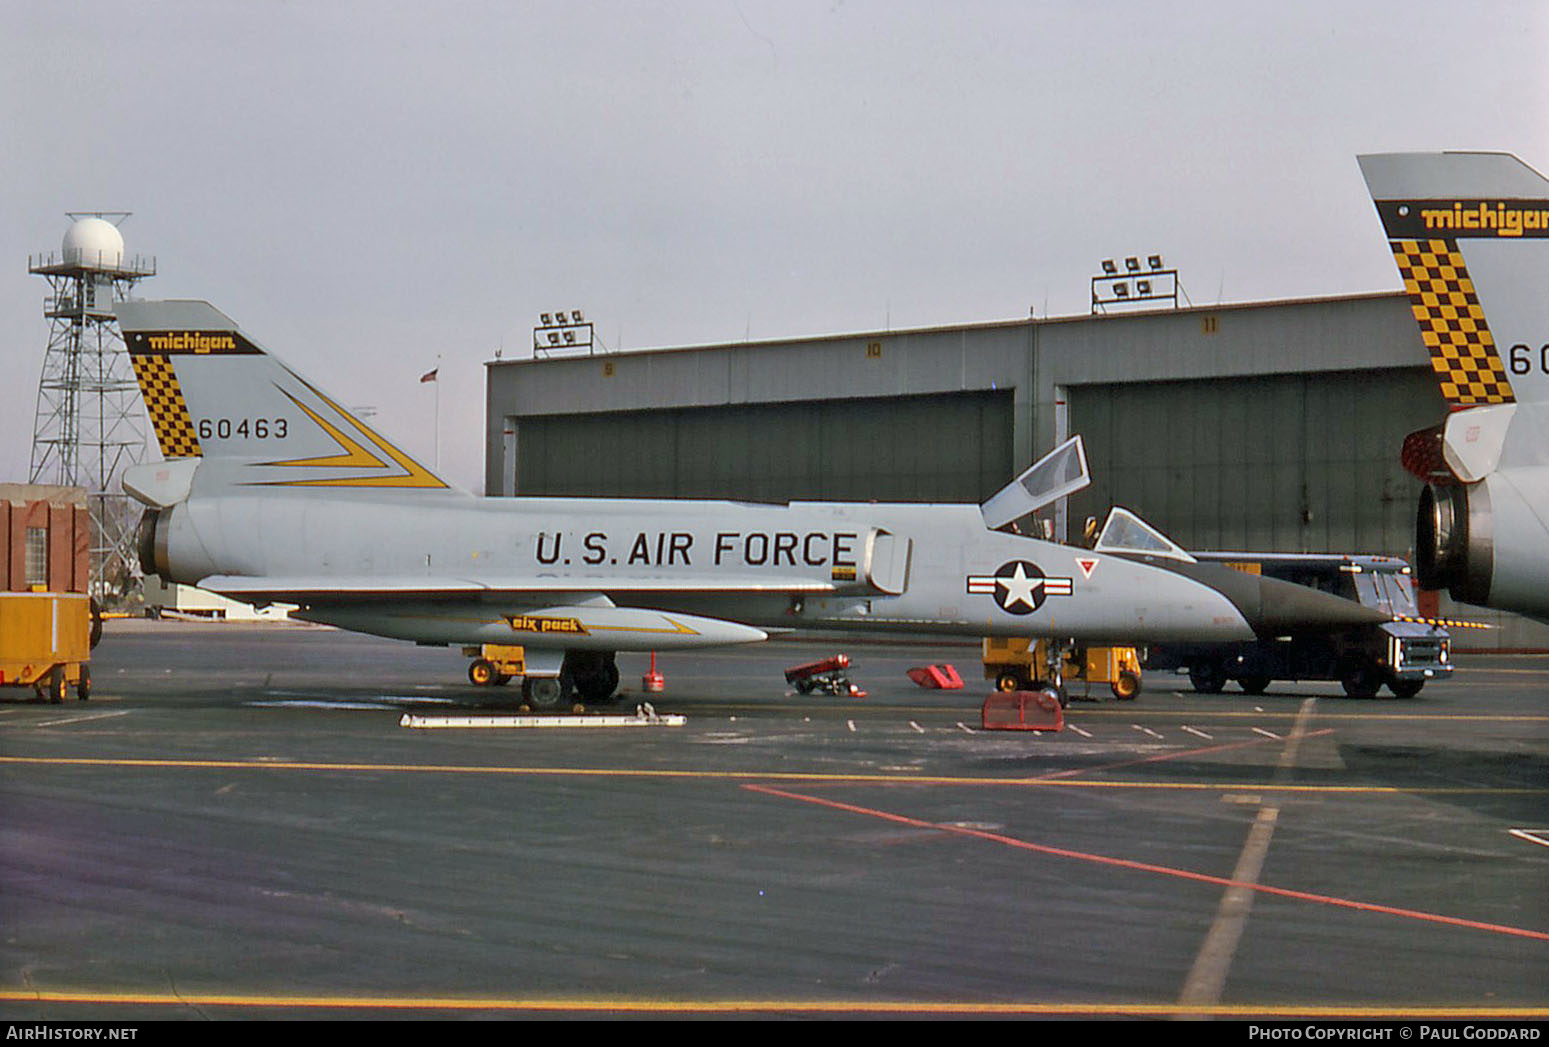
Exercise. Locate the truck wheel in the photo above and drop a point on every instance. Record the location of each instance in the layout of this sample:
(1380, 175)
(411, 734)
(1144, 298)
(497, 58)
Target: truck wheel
(1207, 677)
(57, 684)
(1126, 687)
(1253, 684)
(83, 688)
(1358, 676)
(482, 673)
(1405, 688)
(1009, 681)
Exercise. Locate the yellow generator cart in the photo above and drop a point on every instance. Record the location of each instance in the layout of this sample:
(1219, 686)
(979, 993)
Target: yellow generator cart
(1019, 665)
(45, 642)
(495, 664)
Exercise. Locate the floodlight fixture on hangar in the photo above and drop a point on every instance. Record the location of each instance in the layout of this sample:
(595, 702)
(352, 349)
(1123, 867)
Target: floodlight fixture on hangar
(1135, 286)
(89, 424)
(561, 331)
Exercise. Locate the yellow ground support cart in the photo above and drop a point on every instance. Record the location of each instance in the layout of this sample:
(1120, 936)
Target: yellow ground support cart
(46, 618)
(45, 642)
(495, 664)
(1018, 665)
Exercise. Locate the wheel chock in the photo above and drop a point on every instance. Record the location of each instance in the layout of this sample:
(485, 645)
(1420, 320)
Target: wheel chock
(1023, 711)
(937, 677)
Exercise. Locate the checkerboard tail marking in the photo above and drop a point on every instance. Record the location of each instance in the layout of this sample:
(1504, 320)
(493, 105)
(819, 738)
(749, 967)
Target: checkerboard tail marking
(1452, 324)
(164, 403)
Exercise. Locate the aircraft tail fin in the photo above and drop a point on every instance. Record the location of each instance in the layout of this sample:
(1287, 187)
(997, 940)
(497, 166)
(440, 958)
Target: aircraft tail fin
(213, 393)
(1470, 234)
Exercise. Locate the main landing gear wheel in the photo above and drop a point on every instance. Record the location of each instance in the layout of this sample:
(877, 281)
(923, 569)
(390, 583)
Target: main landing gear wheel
(543, 692)
(592, 675)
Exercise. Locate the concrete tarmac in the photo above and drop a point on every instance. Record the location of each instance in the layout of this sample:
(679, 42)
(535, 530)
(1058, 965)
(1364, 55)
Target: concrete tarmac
(237, 826)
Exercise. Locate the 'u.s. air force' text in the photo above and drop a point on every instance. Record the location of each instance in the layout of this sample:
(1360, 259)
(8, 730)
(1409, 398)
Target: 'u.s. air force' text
(678, 549)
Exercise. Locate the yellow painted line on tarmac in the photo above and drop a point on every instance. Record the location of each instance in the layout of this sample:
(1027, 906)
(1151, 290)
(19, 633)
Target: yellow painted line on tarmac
(605, 1005)
(749, 776)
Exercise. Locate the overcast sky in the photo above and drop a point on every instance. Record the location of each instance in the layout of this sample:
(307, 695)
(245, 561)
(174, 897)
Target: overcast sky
(371, 188)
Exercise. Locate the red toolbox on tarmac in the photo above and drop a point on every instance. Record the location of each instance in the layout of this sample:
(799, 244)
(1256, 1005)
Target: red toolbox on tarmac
(937, 677)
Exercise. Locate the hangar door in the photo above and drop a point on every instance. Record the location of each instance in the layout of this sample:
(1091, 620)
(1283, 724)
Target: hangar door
(954, 447)
(1286, 463)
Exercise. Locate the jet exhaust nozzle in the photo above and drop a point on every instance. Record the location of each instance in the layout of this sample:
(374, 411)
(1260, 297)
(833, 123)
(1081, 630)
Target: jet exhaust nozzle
(1453, 546)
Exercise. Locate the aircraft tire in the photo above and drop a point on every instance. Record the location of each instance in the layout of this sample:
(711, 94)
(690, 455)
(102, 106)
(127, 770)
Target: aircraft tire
(593, 676)
(543, 692)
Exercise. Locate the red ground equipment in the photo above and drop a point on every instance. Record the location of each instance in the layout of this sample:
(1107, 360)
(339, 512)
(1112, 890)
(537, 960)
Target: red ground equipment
(937, 677)
(1023, 711)
(827, 676)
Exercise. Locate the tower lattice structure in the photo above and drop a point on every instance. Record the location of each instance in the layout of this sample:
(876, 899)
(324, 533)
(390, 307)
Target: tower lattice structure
(90, 424)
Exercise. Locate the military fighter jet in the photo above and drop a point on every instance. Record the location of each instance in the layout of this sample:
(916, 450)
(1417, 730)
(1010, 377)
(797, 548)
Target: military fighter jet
(1470, 232)
(273, 492)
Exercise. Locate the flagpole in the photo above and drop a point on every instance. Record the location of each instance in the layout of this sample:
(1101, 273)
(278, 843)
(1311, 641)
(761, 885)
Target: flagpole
(433, 376)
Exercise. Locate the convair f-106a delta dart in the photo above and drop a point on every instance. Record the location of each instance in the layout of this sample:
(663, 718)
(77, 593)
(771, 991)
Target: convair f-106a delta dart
(273, 492)
(1470, 233)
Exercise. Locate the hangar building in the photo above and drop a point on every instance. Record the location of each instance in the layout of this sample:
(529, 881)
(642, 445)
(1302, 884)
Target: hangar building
(1269, 426)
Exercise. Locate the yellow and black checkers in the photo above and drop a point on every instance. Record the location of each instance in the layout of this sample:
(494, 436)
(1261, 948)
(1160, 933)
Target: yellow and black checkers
(1452, 324)
(164, 403)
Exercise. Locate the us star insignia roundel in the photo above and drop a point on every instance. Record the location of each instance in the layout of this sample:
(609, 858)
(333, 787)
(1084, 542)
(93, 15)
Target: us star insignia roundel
(1019, 587)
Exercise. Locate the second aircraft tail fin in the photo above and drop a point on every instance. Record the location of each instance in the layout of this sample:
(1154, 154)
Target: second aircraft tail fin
(1470, 233)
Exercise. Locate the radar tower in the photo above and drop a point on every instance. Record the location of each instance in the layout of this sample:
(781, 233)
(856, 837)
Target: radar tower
(90, 425)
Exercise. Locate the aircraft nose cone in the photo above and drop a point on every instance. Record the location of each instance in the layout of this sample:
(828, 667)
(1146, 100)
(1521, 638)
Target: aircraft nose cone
(1285, 607)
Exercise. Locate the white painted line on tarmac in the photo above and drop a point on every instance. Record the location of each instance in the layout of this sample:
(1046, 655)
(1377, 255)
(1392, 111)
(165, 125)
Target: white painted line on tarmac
(82, 719)
(917, 728)
(1538, 836)
(1266, 734)
(1198, 733)
(1084, 734)
(670, 720)
(1145, 730)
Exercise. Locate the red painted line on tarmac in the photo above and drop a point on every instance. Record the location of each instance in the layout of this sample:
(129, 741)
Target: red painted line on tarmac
(1161, 870)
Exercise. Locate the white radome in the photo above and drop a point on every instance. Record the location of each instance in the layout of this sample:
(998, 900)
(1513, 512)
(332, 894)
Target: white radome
(94, 242)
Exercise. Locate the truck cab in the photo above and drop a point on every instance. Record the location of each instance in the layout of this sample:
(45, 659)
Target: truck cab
(1400, 655)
